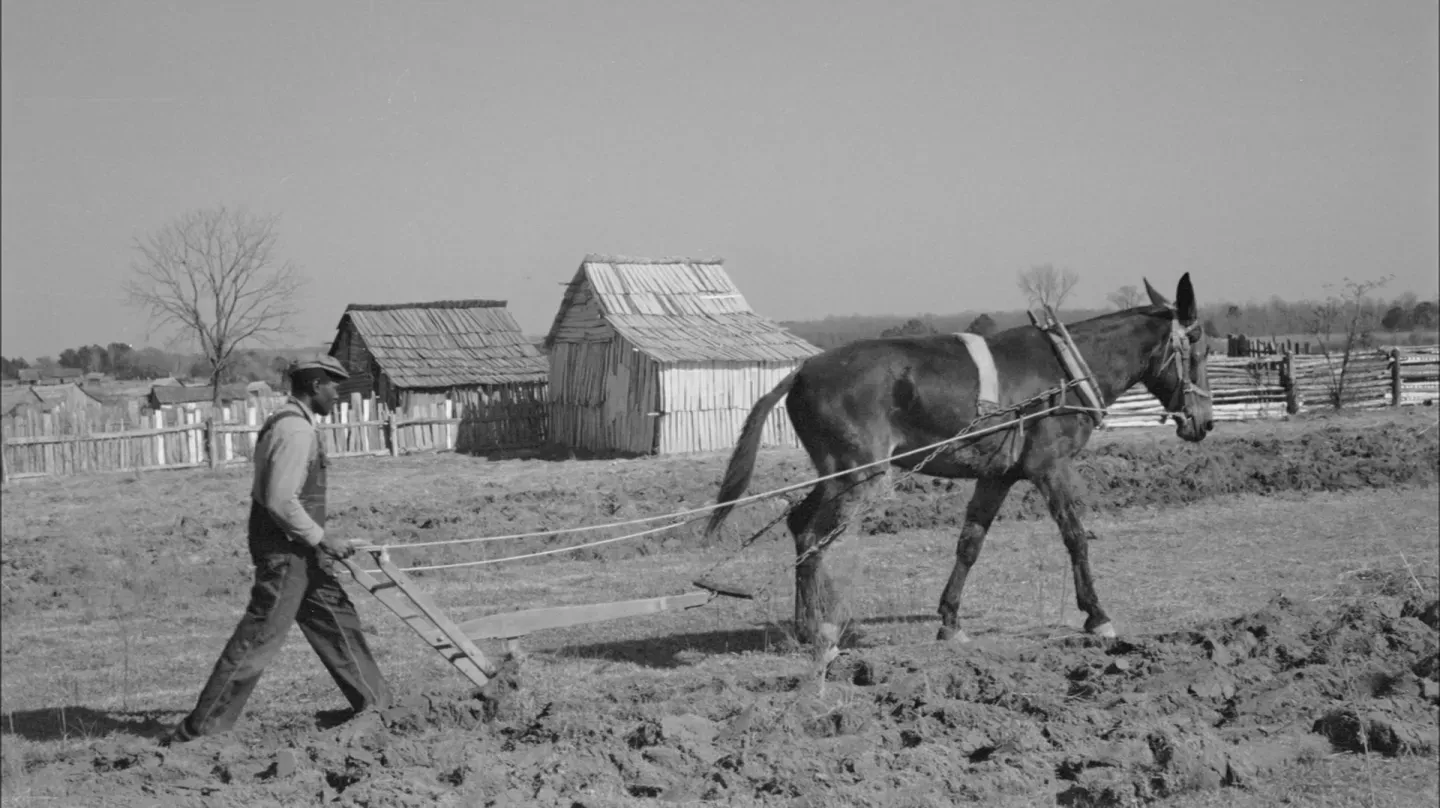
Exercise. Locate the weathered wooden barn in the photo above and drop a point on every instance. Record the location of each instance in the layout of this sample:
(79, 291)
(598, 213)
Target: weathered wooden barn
(662, 356)
(469, 352)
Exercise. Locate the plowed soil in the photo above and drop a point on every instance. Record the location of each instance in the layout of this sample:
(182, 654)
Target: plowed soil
(1079, 722)
(1006, 720)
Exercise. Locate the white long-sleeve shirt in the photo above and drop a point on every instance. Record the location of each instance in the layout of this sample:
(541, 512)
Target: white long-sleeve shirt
(282, 462)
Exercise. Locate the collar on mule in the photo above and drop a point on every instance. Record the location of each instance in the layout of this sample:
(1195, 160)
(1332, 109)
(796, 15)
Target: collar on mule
(1076, 370)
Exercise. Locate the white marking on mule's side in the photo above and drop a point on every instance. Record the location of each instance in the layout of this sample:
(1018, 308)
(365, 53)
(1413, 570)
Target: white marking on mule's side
(989, 395)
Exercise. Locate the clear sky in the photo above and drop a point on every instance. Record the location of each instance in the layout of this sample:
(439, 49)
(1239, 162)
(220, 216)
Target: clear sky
(877, 157)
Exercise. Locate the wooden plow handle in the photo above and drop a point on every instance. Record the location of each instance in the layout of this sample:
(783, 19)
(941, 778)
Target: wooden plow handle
(422, 615)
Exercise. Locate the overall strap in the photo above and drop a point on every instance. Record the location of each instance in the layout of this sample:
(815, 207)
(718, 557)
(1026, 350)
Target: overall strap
(264, 430)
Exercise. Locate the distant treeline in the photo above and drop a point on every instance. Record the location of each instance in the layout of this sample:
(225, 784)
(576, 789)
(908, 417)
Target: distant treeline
(123, 362)
(1270, 319)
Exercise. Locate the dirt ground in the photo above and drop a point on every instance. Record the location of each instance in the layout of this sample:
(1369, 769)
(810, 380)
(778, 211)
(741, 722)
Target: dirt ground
(1213, 693)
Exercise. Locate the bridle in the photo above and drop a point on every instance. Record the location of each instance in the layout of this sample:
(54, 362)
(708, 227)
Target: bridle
(1178, 351)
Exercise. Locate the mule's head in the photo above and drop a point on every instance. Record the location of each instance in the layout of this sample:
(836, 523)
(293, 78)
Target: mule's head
(1175, 373)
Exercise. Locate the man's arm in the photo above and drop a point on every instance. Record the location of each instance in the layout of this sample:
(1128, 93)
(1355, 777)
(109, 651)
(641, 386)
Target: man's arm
(292, 444)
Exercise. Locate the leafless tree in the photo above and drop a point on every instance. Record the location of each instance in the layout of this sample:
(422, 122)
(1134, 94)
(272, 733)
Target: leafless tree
(1351, 313)
(213, 276)
(1047, 286)
(1126, 297)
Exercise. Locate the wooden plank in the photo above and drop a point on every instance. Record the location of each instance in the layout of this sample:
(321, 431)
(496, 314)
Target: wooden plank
(518, 624)
(422, 600)
(390, 594)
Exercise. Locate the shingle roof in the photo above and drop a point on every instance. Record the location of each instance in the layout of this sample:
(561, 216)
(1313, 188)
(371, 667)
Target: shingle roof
(19, 397)
(169, 394)
(60, 394)
(679, 310)
(452, 343)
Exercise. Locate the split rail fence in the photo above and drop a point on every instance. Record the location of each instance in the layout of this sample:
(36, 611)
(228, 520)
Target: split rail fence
(1242, 388)
(1258, 387)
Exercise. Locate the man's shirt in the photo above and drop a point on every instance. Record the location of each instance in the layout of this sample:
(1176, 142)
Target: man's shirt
(282, 462)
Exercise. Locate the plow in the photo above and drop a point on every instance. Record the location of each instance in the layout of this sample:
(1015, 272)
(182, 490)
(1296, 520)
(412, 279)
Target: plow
(456, 641)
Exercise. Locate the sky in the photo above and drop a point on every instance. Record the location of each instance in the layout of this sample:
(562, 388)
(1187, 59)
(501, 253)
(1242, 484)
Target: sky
(842, 157)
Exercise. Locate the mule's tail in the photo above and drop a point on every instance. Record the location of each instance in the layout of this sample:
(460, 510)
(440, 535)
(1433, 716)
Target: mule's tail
(742, 460)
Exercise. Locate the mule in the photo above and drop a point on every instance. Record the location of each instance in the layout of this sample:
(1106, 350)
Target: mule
(873, 399)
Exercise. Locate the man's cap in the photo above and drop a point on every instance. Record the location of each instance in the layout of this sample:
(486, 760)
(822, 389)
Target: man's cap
(327, 363)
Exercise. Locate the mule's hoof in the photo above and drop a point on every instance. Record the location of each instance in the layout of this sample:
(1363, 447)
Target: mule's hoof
(1105, 629)
(828, 655)
(947, 634)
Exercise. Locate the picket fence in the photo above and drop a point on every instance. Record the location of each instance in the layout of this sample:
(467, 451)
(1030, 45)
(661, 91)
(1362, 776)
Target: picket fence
(180, 438)
(1242, 388)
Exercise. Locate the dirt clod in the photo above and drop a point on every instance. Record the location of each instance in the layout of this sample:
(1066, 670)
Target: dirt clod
(1225, 704)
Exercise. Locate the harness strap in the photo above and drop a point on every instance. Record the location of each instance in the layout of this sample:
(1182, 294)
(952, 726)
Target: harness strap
(1072, 362)
(988, 399)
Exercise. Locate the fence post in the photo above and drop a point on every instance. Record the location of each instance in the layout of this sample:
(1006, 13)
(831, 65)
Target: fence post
(449, 428)
(1287, 381)
(391, 435)
(1395, 379)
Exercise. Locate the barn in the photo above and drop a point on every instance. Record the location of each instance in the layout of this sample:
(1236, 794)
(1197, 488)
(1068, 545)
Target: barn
(469, 352)
(661, 357)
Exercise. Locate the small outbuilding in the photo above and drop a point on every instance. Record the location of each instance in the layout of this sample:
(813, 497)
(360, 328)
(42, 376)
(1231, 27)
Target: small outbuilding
(662, 356)
(166, 396)
(468, 352)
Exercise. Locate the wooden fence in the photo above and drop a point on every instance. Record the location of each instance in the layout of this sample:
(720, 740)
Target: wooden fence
(1250, 388)
(47, 445)
(1241, 388)
(1240, 346)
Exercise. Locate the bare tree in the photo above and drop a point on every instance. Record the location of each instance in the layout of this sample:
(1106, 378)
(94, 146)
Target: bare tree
(1047, 286)
(1126, 297)
(213, 275)
(1348, 312)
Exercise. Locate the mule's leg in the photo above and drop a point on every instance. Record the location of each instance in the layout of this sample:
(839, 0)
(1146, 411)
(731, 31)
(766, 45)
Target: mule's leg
(817, 600)
(990, 493)
(1057, 485)
(814, 591)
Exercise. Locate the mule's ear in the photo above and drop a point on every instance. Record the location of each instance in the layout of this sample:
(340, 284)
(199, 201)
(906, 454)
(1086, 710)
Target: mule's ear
(1185, 309)
(1155, 297)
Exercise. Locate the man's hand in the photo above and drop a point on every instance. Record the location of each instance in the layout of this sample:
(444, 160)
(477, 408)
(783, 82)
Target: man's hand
(340, 548)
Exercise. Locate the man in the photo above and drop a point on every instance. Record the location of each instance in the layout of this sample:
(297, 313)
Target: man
(294, 579)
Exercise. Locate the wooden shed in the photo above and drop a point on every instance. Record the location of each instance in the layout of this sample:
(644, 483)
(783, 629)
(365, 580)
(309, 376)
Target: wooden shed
(469, 352)
(662, 356)
(163, 397)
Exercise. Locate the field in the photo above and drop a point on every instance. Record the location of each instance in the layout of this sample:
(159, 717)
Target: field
(1275, 589)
